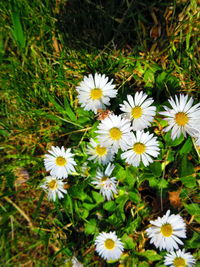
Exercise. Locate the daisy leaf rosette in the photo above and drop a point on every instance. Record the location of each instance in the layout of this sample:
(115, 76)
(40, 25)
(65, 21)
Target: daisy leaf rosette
(139, 110)
(99, 153)
(94, 92)
(179, 258)
(105, 183)
(59, 162)
(166, 231)
(183, 117)
(109, 246)
(142, 148)
(54, 187)
(114, 132)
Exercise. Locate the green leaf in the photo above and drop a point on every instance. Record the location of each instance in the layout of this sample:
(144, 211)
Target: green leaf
(153, 182)
(193, 209)
(133, 225)
(110, 206)
(151, 255)
(160, 79)
(84, 213)
(134, 196)
(69, 111)
(194, 241)
(115, 219)
(156, 169)
(77, 191)
(56, 105)
(3, 132)
(187, 147)
(186, 167)
(83, 116)
(131, 175)
(90, 227)
(97, 197)
(120, 173)
(149, 78)
(128, 242)
(171, 142)
(89, 206)
(17, 30)
(189, 181)
(170, 156)
(162, 183)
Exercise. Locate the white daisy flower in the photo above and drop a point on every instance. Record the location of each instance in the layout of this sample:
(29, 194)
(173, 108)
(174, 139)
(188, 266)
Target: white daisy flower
(166, 231)
(99, 153)
(179, 258)
(139, 110)
(109, 246)
(54, 187)
(142, 147)
(60, 162)
(106, 184)
(183, 117)
(114, 132)
(95, 92)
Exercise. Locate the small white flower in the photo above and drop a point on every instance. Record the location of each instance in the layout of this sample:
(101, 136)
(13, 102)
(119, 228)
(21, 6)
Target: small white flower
(142, 147)
(114, 132)
(95, 92)
(99, 153)
(139, 110)
(109, 246)
(73, 262)
(183, 117)
(179, 258)
(106, 184)
(166, 231)
(54, 187)
(60, 162)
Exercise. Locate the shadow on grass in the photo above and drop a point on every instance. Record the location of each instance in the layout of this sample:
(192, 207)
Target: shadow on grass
(115, 23)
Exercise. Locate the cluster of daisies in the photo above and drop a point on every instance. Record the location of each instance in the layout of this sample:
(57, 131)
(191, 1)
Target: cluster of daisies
(128, 134)
(165, 233)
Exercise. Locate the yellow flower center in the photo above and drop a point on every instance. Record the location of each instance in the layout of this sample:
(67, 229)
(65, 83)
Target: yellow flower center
(60, 161)
(100, 150)
(136, 112)
(53, 184)
(104, 178)
(179, 262)
(139, 148)
(181, 118)
(109, 243)
(115, 133)
(96, 93)
(166, 230)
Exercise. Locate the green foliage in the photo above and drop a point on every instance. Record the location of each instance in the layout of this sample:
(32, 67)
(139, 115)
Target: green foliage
(17, 30)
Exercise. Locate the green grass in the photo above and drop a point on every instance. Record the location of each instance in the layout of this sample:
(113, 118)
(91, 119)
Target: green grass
(46, 48)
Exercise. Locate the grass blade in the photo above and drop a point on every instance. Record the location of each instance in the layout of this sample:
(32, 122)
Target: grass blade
(17, 30)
